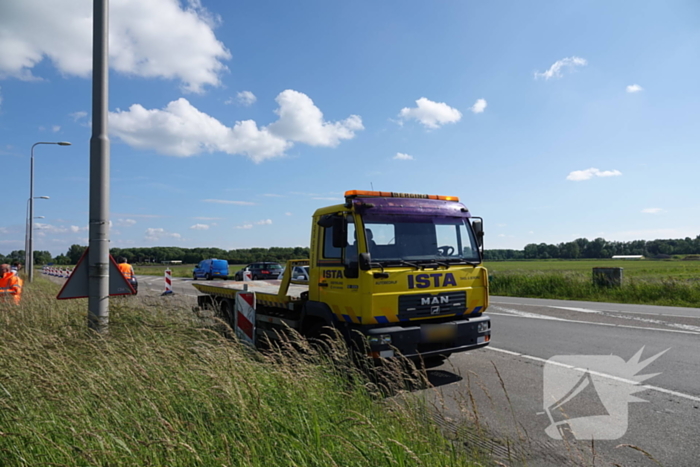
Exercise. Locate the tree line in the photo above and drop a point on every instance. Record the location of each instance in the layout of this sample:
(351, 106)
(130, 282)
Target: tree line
(579, 248)
(599, 248)
(159, 254)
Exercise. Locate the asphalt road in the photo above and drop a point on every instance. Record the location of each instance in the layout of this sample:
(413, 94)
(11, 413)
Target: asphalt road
(528, 332)
(493, 399)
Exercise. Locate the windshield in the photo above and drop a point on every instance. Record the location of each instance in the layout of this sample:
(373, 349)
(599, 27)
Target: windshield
(421, 239)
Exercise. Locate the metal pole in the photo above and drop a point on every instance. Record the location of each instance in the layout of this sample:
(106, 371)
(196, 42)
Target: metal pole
(98, 255)
(30, 245)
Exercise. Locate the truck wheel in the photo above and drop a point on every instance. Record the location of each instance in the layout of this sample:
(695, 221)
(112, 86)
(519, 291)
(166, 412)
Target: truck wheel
(194, 276)
(208, 277)
(320, 337)
(225, 312)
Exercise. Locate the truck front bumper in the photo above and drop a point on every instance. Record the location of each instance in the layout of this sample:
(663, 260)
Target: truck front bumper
(426, 339)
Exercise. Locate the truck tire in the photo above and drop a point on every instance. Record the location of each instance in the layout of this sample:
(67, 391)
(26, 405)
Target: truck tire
(208, 277)
(225, 311)
(194, 276)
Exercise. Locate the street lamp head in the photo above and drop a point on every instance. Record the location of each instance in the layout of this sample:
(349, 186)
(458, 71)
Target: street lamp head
(41, 197)
(63, 143)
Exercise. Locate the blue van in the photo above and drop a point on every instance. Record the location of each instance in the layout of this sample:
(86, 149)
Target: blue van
(211, 268)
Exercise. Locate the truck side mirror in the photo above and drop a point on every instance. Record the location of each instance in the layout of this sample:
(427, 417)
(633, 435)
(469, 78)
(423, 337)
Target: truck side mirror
(478, 226)
(340, 232)
(365, 261)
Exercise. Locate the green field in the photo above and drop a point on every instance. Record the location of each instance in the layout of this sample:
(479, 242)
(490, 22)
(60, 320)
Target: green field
(672, 282)
(177, 270)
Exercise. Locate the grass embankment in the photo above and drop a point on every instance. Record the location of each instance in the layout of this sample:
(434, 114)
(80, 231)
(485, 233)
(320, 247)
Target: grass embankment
(164, 389)
(670, 283)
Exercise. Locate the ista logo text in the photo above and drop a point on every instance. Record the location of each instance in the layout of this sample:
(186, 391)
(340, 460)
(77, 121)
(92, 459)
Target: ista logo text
(423, 281)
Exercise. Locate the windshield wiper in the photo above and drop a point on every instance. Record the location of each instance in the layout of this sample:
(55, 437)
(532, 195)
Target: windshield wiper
(408, 263)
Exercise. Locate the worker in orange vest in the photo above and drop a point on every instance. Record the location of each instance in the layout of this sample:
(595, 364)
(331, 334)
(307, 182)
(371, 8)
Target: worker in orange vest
(10, 284)
(127, 271)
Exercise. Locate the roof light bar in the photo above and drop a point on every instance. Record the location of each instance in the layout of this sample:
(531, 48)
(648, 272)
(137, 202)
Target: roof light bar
(391, 194)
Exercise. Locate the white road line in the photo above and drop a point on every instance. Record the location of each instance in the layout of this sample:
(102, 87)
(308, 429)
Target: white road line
(521, 314)
(588, 310)
(597, 373)
(581, 310)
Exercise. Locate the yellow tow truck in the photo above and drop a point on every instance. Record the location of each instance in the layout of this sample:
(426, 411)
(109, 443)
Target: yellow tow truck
(394, 273)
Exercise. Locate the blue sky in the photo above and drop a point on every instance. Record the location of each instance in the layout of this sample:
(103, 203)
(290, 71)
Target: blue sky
(231, 122)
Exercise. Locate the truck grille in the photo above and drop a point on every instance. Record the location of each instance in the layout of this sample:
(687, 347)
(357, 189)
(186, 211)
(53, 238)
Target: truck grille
(426, 305)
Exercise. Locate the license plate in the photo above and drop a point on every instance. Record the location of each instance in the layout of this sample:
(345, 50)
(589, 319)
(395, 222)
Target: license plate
(438, 332)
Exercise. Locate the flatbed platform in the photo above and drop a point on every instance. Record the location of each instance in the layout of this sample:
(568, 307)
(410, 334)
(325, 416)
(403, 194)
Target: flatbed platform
(265, 291)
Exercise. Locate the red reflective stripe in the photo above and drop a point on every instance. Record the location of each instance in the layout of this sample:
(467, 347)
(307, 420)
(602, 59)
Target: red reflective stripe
(244, 324)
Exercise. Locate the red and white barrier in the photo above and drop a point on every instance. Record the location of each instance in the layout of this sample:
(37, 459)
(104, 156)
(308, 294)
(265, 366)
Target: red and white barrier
(168, 282)
(247, 276)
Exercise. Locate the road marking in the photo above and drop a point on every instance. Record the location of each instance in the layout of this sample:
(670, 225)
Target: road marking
(582, 310)
(524, 314)
(588, 310)
(597, 373)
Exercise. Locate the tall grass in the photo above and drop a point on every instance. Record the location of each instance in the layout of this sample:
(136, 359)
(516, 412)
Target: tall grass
(576, 285)
(165, 388)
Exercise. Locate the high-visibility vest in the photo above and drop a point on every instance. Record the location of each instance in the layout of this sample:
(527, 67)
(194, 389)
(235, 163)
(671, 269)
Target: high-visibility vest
(126, 270)
(11, 286)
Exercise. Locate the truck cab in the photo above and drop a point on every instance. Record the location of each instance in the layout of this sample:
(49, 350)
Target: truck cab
(399, 272)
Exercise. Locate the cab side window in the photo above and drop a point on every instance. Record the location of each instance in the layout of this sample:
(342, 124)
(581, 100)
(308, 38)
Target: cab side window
(329, 251)
(351, 250)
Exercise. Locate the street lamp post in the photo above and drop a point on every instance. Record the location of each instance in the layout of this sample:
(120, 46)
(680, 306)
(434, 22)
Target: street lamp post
(30, 245)
(26, 230)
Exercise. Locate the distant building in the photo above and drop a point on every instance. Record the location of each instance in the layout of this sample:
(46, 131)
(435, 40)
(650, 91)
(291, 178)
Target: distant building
(628, 257)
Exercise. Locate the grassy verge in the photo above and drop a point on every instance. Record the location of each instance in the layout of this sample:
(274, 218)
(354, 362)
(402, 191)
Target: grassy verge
(164, 389)
(577, 285)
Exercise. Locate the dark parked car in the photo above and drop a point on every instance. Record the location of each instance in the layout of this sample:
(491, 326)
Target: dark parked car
(261, 270)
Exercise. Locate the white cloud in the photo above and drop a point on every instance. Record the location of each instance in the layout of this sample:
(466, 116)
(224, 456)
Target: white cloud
(159, 233)
(208, 218)
(479, 106)
(652, 210)
(579, 175)
(200, 227)
(153, 39)
(182, 130)
(555, 71)
(56, 128)
(43, 229)
(124, 222)
(244, 226)
(403, 157)
(226, 201)
(78, 115)
(301, 121)
(264, 222)
(246, 98)
(634, 88)
(287, 213)
(431, 114)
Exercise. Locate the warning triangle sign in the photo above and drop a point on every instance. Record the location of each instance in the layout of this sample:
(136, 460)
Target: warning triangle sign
(77, 284)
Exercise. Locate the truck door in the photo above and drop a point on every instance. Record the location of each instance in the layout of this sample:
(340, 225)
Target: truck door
(339, 283)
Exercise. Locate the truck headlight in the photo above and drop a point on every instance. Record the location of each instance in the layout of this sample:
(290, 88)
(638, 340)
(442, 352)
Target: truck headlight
(379, 339)
(483, 327)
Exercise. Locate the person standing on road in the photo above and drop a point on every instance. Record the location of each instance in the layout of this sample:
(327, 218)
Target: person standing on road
(127, 271)
(10, 284)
